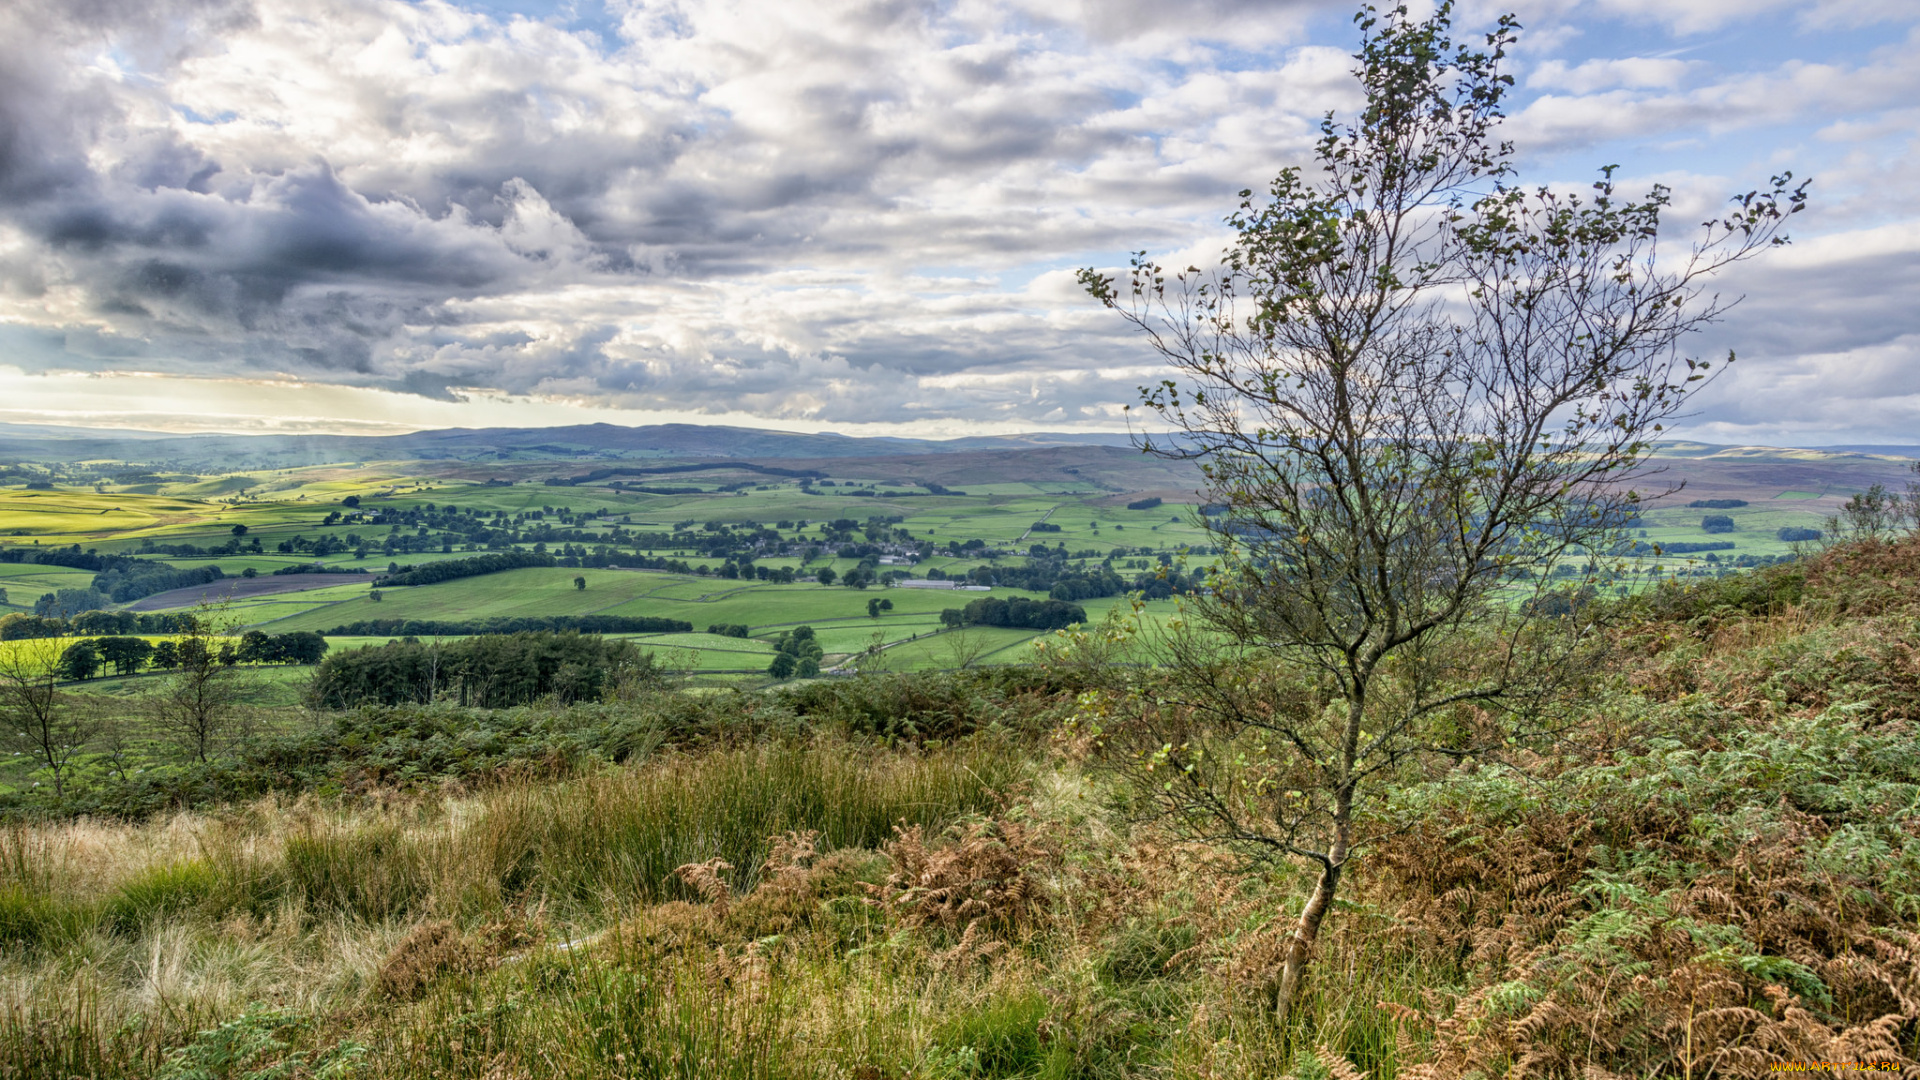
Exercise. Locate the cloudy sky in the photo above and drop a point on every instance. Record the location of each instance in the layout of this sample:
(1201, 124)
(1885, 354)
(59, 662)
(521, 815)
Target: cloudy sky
(852, 215)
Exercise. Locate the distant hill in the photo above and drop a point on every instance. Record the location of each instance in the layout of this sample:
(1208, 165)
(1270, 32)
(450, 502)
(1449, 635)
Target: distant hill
(1881, 451)
(1811, 478)
(1814, 479)
(583, 442)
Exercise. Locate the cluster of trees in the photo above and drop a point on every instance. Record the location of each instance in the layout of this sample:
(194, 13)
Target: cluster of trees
(743, 569)
(519, 624)
(491, 672)
(135, 579)
(71, 557)
(1017, 612)
(150, 546)
(85, 659)
(66, 603)
(128, 622)
(1054, 571)
(1717, 504)
(294, 647)
(1717, 523)
(1796, 534)
(728, 629)
(118, 579)
(1144, 504)
(797, 654)
(452, 569)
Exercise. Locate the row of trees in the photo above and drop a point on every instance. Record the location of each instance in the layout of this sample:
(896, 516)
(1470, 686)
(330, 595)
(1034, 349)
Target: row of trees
(128, 655)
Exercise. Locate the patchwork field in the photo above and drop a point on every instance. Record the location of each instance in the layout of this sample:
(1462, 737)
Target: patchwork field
(940, 515)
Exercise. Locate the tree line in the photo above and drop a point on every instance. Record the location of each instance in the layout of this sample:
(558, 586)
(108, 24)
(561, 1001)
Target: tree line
(583, 624)
(90, 657)
(453, 569)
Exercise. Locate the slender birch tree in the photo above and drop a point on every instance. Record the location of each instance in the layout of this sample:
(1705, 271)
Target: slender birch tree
(1414, 387)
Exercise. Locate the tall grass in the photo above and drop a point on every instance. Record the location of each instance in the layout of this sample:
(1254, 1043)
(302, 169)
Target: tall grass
(609, 842)
(117, 941)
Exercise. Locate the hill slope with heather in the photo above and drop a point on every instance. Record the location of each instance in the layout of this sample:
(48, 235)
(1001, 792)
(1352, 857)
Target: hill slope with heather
(1713, 871)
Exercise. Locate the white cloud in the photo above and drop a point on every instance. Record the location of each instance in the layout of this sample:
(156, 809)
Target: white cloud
(1639, 72)
(815, 210)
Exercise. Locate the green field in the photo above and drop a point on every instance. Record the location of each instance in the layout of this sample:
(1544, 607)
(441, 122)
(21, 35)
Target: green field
(239, 522)
(403, 513)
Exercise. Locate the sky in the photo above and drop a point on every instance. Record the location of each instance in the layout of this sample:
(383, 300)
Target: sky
(860, 216)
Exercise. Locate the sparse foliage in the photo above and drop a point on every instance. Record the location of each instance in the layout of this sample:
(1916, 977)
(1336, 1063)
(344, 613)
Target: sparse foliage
(1413, 386)
(199, 706)
(41, 721)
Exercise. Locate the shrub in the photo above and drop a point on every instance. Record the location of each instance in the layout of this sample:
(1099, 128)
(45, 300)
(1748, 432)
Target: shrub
(162, 892)
(372, 871)
(434, 948)
(29, 919)
(1001, 1038)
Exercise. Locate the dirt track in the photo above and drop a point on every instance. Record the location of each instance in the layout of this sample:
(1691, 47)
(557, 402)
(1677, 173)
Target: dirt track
(239, 587)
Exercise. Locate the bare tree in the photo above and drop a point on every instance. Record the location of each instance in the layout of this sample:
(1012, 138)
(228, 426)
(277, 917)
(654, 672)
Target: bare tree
(1415, 387)
(42, 722)
(117, 742)
(964, 646)
(199, 705)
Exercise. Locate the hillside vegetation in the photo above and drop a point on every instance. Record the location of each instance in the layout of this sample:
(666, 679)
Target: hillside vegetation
(1713, 870)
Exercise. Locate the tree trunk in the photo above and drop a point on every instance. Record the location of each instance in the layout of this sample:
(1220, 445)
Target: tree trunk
(1293, 969)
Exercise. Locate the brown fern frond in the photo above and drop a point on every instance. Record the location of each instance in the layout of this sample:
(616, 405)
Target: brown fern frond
(1337, 1067)
(704, 878)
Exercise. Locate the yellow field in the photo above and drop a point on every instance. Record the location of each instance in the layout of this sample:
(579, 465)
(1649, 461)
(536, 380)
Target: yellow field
(80, 515)
(37, 651)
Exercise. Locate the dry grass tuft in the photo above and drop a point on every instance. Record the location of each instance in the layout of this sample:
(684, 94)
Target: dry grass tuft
(432, 950)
